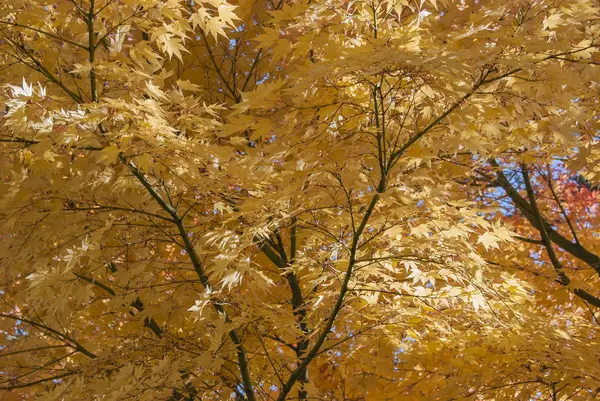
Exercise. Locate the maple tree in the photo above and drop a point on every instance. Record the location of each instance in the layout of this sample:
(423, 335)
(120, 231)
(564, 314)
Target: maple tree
(275, 200)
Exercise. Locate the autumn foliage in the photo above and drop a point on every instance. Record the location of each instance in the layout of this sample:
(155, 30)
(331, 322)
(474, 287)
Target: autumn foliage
(299, 200)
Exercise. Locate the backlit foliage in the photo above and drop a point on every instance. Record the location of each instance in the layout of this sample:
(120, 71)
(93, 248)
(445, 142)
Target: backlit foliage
(278, 200)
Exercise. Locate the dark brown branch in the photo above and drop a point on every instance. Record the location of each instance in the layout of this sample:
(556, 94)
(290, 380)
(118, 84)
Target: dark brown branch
(137, 304)
(49, 34)
(530, 240)
(314, 351)
(92, 50)
(24, 385)
(69, 340)
(396, 154)
(563, 279)
(280, 259)
(31, 350)
(560, 206)
(38, 66)
(34, 142)
(200, 271)
(577, 250)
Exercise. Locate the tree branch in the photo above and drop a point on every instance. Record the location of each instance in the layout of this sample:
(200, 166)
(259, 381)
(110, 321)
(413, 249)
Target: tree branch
(199, 268)
(49, 34)
(32, 349)
(577, 250)
(313, 352)
(69, 340)
(38, 381)
(563, 279)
